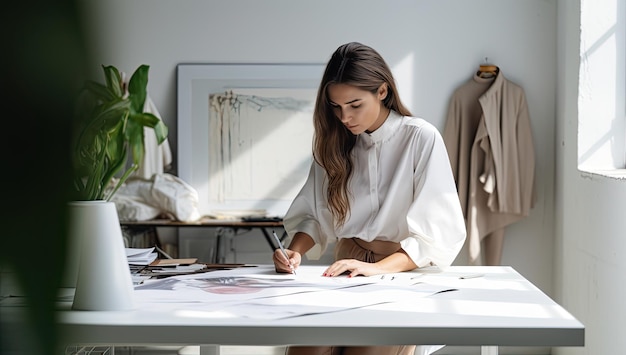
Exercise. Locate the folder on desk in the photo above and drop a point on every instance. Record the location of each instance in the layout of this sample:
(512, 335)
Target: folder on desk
(173, 262)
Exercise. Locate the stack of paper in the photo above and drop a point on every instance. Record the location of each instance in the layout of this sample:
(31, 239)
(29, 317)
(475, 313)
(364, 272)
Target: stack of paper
(236, 214)
(177, 269)
(140, 256)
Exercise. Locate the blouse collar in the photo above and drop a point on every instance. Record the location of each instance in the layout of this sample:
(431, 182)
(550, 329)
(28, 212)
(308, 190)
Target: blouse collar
(385, 131)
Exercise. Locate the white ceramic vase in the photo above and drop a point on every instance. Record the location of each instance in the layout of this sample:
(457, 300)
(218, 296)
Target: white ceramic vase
(103, 280)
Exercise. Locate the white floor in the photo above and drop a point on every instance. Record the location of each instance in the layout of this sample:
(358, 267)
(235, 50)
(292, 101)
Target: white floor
(187, 350)
(270, 350)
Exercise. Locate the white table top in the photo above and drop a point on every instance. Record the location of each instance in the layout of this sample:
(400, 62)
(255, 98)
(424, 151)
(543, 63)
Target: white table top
(499, 308)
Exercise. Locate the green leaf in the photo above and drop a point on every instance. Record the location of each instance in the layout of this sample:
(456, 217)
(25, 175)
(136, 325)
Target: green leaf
(145, 119)
(111, 115)
(161, 132)
(99, 91)
(149, 120)
(113, 80)
(115, 149)
(137, 88)
(134, 137)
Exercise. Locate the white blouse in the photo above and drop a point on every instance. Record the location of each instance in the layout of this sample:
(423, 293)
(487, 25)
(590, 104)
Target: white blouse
(401, 190)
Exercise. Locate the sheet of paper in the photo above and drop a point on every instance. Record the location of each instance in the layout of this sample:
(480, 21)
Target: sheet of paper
(264, 294)
(166, 262)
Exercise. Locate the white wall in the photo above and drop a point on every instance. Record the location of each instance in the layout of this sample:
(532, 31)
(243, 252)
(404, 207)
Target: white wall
(432, 46)
(441, 42)
(591, 219)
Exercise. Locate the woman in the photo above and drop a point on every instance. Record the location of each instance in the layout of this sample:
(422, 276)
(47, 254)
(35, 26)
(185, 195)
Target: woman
(380, 185)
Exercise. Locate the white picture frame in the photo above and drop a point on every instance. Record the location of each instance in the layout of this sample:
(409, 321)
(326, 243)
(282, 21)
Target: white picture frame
(278, 156)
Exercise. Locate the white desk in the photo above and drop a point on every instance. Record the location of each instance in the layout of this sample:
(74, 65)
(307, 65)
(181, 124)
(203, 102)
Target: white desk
(501, 308)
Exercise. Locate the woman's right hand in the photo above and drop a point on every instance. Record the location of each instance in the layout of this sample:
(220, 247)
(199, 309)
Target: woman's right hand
(281, 263)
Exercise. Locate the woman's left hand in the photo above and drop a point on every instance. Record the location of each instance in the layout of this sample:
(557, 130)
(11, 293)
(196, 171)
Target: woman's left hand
(353, 268)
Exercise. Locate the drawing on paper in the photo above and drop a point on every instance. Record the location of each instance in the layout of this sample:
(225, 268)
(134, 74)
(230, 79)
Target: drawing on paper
(245, 134)
(259, 143)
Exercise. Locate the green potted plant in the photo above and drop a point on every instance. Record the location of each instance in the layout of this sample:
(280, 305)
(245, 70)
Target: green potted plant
(109, 141)
(108, 147)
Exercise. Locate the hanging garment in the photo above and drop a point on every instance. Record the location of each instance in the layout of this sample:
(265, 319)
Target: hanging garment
(489, 141)
(157, 158)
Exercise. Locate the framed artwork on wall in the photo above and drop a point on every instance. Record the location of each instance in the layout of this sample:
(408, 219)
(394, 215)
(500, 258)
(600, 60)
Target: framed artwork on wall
(245, 134)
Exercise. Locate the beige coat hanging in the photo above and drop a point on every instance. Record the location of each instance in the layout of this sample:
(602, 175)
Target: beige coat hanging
(489, 141)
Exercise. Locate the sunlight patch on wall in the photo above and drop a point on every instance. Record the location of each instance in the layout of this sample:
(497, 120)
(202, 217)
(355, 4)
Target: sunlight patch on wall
(601, 101)
(404, 74)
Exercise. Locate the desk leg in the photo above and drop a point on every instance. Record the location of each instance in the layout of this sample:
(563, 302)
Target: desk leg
(209, 350)
(270, 239)
(489, 350)
(217, 253)
(221, 233)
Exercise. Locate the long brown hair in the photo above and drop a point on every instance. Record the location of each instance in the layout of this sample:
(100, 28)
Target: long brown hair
(361, 66)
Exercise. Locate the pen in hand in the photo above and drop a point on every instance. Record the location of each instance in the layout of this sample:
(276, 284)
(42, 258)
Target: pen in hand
(282, 248)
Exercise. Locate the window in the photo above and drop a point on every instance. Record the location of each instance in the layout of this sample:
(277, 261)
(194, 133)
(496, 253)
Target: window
(602, 94)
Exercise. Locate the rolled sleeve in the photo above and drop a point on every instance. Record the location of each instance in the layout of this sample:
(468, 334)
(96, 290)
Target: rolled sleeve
(302, 216)
(435, 219)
